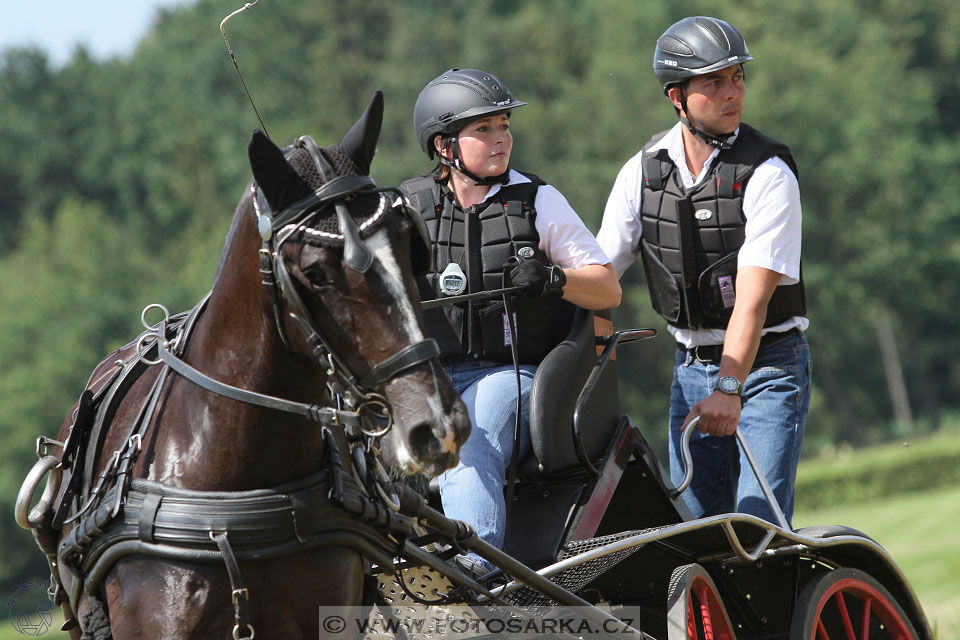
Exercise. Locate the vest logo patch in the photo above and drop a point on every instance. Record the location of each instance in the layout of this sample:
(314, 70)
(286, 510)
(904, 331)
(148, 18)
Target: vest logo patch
(507, 337)
(703, 214)
(525, 252)
(727, 294)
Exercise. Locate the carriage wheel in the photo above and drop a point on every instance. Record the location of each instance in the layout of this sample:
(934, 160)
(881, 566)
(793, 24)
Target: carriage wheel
(847, 604)
(694, 608)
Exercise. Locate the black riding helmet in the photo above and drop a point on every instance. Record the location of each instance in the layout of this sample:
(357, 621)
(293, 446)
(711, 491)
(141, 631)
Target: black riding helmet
(695, 46)
(451, 101)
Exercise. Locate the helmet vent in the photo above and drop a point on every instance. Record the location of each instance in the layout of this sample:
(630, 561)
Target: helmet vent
(671, 45)
(711, 27)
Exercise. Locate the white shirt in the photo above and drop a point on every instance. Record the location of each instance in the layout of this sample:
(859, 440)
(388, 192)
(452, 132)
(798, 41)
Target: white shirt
(771, 206)
(564, 238)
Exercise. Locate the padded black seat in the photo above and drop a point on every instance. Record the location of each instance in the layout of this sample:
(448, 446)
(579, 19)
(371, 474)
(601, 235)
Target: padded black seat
(556, 388)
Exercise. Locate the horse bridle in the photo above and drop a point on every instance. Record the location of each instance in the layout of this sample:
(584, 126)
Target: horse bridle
(335, 190)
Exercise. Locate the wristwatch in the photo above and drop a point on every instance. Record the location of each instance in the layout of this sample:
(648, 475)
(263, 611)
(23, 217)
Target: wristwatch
(730, 386)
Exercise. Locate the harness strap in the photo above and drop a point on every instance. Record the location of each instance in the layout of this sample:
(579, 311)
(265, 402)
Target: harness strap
(238, 593)
(339, 187)
(403, 360)
(317, 413)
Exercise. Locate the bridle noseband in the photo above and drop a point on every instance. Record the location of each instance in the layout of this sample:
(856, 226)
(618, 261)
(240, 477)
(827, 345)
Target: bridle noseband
(277, 229)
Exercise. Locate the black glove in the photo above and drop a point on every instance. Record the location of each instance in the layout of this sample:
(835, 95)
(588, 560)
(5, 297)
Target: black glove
(539, 279)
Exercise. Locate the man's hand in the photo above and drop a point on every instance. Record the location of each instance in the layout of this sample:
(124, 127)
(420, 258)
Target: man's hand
(719, 414)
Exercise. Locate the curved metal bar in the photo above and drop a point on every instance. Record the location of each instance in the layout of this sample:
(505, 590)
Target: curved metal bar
(738, 547)
(32, 519)
(754, 465)
(624, 336)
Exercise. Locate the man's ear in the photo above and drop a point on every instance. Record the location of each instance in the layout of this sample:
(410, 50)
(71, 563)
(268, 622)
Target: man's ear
(674, 93)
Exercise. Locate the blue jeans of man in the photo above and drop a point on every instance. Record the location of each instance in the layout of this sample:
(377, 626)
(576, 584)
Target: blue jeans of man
(473, 490)
(776, 397)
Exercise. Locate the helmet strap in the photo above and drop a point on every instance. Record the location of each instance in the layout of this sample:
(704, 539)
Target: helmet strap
(721, 141)
(455, 162)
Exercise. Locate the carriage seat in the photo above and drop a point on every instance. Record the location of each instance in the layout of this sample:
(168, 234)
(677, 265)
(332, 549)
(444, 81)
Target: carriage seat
(553, 398)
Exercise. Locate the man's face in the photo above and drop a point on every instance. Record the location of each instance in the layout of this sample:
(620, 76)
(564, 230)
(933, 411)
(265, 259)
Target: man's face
(714, 100)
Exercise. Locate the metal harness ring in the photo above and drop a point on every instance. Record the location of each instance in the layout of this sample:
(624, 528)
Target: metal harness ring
(373, 400)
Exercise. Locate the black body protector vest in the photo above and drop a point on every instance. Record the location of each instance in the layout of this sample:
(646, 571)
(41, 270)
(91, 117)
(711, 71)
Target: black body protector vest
(691, 238)
(480, 240)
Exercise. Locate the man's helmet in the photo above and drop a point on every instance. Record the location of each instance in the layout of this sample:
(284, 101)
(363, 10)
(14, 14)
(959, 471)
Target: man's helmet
(695, 46)
(456, 98)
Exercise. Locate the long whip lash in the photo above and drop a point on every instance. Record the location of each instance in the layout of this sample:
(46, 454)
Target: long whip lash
(223, 25)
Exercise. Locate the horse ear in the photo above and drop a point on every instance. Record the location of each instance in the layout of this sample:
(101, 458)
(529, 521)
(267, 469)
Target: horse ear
(360, 143)
(274, 175)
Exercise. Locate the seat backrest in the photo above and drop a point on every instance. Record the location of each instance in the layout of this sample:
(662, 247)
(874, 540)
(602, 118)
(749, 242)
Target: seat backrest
(556, 387)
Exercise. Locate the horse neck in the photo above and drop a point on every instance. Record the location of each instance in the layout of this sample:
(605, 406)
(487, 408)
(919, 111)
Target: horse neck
(236, 342)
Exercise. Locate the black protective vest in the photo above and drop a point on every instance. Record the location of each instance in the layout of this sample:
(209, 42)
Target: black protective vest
(691, 238)
(480, 240)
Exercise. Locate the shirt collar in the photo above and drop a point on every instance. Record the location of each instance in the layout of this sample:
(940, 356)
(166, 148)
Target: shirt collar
(673, 143)
(515, 178)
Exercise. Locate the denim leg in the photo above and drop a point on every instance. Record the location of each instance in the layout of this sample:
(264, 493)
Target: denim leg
(777, 393)
(473, 490)
(714, 485)
(773, 421)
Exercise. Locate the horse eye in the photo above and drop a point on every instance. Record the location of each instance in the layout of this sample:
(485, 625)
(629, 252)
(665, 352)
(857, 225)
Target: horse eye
(319, 266)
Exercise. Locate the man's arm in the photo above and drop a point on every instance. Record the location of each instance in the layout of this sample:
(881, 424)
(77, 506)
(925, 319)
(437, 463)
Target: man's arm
(720, 412)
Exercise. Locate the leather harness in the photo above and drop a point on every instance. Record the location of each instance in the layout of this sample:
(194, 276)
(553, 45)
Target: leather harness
(121, 515)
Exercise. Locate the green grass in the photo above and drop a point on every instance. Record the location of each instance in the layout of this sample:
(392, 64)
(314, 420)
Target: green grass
(917, 529)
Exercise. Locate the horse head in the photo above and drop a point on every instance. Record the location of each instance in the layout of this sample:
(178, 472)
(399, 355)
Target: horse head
(343, 256)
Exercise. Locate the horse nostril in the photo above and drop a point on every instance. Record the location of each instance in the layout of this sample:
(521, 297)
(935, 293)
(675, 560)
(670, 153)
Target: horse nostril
(423, 443)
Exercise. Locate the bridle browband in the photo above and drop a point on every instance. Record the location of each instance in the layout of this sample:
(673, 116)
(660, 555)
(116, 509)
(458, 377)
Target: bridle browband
(277, 229)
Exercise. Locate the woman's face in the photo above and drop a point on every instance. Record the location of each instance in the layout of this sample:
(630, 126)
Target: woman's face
(485, 145)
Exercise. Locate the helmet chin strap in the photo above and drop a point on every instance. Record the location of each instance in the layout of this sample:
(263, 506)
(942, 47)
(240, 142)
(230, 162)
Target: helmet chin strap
(721, 141)
(456, 163)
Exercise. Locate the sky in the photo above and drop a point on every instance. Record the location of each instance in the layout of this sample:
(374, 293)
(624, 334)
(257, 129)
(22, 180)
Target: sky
(107, 27)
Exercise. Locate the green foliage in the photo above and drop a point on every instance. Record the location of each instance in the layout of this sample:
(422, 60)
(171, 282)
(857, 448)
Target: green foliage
(848, 476)
(119, 178)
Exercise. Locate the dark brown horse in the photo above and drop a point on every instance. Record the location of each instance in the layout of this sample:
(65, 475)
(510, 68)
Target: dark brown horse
(348, 285)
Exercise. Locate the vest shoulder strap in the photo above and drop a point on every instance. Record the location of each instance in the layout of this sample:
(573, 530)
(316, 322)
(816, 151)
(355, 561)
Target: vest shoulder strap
(423, 192)
(737, 164)
(525, 191)
(656, 166)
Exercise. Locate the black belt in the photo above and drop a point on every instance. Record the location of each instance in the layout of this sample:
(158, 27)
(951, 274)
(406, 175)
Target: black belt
(711, 353)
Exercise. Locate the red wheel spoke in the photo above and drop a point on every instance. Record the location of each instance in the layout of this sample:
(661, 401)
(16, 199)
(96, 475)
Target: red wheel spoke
(704, 595)
(691, 621)
(821, 631)
(866, 618)
(844, 615)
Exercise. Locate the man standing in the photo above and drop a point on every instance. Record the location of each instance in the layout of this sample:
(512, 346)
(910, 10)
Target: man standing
(713, 208)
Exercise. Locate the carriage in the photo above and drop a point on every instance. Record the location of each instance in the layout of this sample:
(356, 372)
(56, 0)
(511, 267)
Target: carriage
(598, 529)
(160, 517)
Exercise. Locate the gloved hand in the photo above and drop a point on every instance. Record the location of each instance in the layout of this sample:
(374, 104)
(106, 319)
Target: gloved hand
(539, 279)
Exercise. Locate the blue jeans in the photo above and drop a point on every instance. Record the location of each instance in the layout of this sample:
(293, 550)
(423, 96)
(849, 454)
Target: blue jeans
(777, 395)
(473, 490)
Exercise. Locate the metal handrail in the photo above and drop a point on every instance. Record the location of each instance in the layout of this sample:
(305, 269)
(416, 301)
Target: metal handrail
(754, 465)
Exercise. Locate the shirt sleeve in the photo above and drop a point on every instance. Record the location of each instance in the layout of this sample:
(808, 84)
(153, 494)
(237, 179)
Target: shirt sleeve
(564, 238)
(771, 206)
(620, 231)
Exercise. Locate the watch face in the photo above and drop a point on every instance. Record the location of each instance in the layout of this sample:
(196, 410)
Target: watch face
(729, 384)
